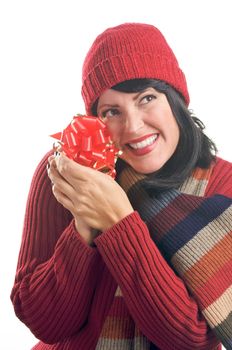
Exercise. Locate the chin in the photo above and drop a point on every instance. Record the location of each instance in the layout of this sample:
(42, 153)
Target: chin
(146, 165)
(145, 169)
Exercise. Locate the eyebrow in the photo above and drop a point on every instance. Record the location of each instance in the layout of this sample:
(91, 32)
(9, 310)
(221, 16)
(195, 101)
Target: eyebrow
(108, 105)
(116, 105)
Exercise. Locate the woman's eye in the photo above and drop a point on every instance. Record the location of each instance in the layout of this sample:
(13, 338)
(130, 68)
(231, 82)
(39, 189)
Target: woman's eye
(147, 99)
(110, 113)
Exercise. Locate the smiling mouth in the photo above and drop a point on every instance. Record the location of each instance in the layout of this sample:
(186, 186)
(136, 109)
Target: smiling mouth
(144, 143)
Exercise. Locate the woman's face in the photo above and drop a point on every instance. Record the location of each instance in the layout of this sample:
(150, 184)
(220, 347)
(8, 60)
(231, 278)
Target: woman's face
(142, 126)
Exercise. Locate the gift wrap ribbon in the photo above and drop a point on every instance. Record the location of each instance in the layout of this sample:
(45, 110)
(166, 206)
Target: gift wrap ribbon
(87, 141)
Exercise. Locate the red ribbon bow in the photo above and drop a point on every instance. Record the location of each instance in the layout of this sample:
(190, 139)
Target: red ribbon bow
(87, 141)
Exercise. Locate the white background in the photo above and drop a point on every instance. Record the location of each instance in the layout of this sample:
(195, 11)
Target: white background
(42, 46)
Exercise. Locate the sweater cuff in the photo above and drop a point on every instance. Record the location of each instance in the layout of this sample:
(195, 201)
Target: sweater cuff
(71, 237)
(117, 229)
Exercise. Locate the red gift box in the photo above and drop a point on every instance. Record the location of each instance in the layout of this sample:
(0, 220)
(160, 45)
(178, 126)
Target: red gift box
(87, 141)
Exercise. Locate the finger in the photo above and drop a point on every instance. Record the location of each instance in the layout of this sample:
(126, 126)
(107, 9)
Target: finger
(61, 184)
(51, 158)
(51, 164)
(71, 170)
(52, 170)
(62, 198)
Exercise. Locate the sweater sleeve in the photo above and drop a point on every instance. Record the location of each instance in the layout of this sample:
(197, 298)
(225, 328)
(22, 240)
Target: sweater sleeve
(57, 271)
(169, 302)
(221, 179)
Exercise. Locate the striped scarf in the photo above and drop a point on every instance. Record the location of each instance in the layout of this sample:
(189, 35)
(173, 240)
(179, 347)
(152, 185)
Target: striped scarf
(194, 234)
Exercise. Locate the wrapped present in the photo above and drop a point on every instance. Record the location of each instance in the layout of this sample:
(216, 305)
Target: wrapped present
(87, 141)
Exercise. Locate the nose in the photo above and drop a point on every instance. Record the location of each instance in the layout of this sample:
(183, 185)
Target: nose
(133, 122)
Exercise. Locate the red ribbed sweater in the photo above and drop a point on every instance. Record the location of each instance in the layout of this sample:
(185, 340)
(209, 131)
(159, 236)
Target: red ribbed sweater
(63, 289)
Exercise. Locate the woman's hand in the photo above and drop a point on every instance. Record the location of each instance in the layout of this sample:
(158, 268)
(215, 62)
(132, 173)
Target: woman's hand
(85, 231)
(88, 194)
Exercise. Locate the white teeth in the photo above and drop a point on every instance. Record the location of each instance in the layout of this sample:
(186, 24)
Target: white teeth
(144, 143)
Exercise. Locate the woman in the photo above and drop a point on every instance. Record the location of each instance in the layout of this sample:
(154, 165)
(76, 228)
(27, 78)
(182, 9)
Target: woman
(143, 262)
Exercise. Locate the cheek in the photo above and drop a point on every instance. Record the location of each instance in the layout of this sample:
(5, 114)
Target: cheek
(115, 135)
(175, 131)
(170, 124)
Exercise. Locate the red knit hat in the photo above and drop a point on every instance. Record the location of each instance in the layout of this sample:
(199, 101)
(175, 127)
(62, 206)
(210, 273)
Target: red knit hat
(129, 51)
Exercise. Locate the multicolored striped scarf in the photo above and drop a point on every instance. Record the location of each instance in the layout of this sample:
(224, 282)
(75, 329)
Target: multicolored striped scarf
(194, 234)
